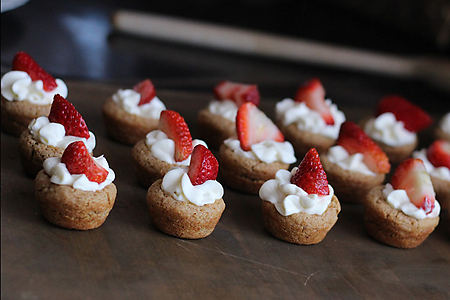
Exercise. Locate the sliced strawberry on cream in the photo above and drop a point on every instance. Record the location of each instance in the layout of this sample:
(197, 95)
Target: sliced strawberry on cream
(413, 117)
(176, 129)
(355, 140)
(253, 126)
(24, 62)
(237, 92)
(147, 91)
(203, 166)
(77, 159)
(312, 94)
(64, 113)
(412, 176)
(310, 175)
(439, 154)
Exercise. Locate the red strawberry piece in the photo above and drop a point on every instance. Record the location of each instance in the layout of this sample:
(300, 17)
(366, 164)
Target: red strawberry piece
(204, 165)
(310, 175)
(79, 161)
(439, 153)
(253, 126)
(147, 91)
(355, 140)
(23, 62)
(312, 94)
(238, 92)
(173, 124)
(64, 113)
(412, 177)
(413, 117)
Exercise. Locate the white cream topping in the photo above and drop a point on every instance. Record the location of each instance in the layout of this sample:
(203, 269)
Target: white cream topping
(398, 199)
(54, 134)
(339, 156)
(289, 199)
(266, 151)
(177, 183)
(290, 112)
(128, 100)
(445, 123)
(386, 129)
(60, 175)
(18, 86)
(439, 172)
(163, 148)
(225, 108)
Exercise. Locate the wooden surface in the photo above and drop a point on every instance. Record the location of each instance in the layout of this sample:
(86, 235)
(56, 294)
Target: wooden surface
(127, 258)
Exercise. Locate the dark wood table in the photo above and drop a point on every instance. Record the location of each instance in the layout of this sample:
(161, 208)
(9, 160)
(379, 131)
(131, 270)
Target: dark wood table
(127, 258)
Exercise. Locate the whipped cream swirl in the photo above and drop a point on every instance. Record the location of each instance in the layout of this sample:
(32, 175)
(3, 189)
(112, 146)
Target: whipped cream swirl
(128, 100)
(290, 112)
(398, 199)
(386, 129)
(265, 151)
(54, 134)
(439, 172)
(177, 183)
(225, 108)
(339, 156)
(60, 175)
(289, 199)
(18, 86)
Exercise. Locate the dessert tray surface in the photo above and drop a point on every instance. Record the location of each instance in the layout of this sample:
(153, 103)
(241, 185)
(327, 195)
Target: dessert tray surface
(127, 258)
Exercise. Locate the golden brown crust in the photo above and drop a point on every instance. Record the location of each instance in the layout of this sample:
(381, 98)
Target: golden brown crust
(125, 127)
(33, 153)
(391, 226)
(70, 208)
(148, 168)
(16, 115)
(303, 141)
(349, 186)
(244, 174)
(182, 219)
(441, 134)
(442, 189)
(300, 228)
(214, 129)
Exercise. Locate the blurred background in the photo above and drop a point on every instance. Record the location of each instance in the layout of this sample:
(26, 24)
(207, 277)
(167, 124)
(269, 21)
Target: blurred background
(76, 40)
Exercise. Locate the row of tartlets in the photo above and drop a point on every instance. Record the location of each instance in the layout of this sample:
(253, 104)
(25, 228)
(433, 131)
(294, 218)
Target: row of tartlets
(340, 159)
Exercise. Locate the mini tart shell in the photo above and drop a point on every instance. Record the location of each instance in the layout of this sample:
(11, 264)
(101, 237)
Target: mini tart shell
(349, 186)
(303, 141)
(245, 174)
(125, 127)
(441, 134)
(391, 226)
(442, 189)
(300, 228)
(214, 129)
(148, 168)
(33, 153)
(16, 115)
(70, 208)
(182, 219)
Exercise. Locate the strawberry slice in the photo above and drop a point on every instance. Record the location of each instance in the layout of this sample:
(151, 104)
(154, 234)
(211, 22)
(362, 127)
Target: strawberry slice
(355, 140)
(312, 94)
(23, 62)
(412, 177)
(204, 165)
(310, 175)
(253, 126)
(173, 124)
(147, 91)
(63, 112)
(413, 117)
(79, 161)
(439, 153)
(237, 92)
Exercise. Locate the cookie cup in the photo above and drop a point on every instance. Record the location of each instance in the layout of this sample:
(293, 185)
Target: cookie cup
(182, 219)
(125, 127)
(442, 189)
(391, 226)
(71, 208)
(244, 174)
(441, 134)
(300, 228)
(214, 129)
